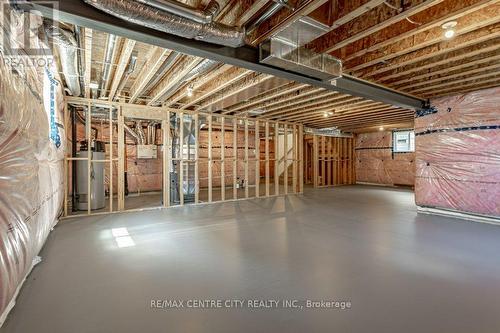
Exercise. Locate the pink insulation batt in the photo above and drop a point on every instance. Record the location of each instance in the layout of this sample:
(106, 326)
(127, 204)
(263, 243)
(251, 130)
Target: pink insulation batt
(376, 164)
(458, 154)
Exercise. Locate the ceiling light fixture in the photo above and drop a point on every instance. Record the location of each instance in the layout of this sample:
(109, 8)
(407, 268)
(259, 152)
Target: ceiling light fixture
(449, 32)
(325, 114)
(381, 128)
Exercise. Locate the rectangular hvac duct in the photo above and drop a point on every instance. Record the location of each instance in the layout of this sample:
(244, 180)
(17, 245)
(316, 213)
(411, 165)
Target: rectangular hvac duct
(286, 50)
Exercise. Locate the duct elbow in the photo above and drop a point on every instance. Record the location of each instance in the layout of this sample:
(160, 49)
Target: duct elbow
(173, 18)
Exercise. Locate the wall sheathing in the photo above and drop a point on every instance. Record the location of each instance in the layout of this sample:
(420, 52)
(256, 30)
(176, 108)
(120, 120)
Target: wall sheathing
(32, 144)
(458, 153)
(377, 164)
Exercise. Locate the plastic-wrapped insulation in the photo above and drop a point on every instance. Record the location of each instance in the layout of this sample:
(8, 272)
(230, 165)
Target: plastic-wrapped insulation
(458, 153)
(32, 143)
(148, 16)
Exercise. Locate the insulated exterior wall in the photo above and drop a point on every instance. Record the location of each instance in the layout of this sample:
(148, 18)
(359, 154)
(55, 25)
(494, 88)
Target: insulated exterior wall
(32, 144)
(376, 163)
(458, 153)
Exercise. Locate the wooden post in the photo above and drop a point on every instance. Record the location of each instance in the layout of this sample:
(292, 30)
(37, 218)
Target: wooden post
(246, 158)
(257, 159)
(323, 164)
(110, 159)
(165, 131)
(222, 162)
(301, 158)
(276, 159)
(329, 163)
(88, 128)
(181, 158)
(294, 155)
(267, 157)
(196, 157)
(285, 158)
(210, 158)
(121, 160)
(315, 161)
(66, 173)
(235, 159)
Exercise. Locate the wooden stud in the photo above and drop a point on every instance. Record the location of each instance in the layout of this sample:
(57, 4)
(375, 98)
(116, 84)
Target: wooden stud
(246, 158)
(196, 157)
(210, 159)
(121, 160)
(295, 158)
(235, 158)
(110, 160)
(285, 158)
(66, 155)
(301, 158)
(257, 159)
(276, 159)
(222, 162)
(181, 158)
(315, 161)
(165, 129)
(267, 157)
(88, 129)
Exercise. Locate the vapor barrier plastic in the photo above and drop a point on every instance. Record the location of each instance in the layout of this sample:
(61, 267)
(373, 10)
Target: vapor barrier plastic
(31, 162)
(458, 153)
(376, 163)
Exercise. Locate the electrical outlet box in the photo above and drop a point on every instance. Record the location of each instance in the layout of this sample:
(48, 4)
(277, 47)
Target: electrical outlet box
(147, 151)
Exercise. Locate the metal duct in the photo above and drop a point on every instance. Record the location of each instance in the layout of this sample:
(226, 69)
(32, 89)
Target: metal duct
(101, 117)
(148, 16)
(203, 67)
(286, 50)
(180, 9)
(275, 7)
(129, 70)
(79, 54)
(67, 49)
(172, 57)
(140, 133)
(108, 58)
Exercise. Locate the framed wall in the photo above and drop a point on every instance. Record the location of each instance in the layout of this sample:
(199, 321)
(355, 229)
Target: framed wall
(233, 157)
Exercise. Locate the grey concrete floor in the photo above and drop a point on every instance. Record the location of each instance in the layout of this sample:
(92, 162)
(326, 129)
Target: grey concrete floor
(402, 271)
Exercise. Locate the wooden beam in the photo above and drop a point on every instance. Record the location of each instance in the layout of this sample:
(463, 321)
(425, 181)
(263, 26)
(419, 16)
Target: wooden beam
(121, 161)
(156, 57)
(285, 158)
(465, 75)
(274, 93)
(197, 84)
(490, 46)
(197, 158)
(181, 158)
(466, 24)
(276, 159)
(428, 52)
(447, 68)
(180, 69)
(435, 16)
(284, 100)
(217, 85)
(367, 24)
(123, 61)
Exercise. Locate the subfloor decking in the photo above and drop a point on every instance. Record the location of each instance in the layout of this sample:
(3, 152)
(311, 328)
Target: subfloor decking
(402, 271)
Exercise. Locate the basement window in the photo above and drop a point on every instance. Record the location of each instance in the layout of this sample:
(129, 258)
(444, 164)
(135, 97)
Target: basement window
(403, 141)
